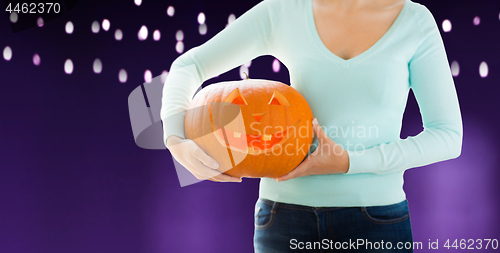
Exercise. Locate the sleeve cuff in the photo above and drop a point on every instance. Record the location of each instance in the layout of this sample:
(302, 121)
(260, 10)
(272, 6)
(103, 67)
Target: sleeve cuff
(363, 161)
(173, 125)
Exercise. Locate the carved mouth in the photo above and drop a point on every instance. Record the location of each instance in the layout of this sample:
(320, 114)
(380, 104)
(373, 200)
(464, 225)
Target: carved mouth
(253, 144)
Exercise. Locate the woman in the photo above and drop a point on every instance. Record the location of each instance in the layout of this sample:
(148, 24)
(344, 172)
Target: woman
(354, 61)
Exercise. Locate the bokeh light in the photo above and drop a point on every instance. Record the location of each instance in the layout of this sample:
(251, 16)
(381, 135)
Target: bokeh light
(39, 22)
(69, 27)
(483, 69)
(7, 53)
(156, 35)
(97, 66)
(122, 76)
(446, 25)
(244, 69)
(455, 68)
(476, 20)
(276, 66)
(118, 34)
(68, 66)
(143, 33)
(105, 24)
(179, 35)
(231, 18)
(179, 47)
(201, 18)
(170, 11)
(164, 75)
(36, 59)
(202, 29)
(148, 76)
(138, 2)
(95, 27)
(13, 17)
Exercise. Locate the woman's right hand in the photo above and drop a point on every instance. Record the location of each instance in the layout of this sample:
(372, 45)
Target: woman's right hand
(196, 161)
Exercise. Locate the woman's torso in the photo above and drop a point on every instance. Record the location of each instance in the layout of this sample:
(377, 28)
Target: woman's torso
(359, 101)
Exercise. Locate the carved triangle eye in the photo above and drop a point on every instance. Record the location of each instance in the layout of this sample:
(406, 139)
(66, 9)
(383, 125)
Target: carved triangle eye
(279, 99)
(236, 97)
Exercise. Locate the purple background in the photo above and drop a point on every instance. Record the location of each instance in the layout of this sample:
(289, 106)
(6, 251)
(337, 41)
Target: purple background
(73, 180)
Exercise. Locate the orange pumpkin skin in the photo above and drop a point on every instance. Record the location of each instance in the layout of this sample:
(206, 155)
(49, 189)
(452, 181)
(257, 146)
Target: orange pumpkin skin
(252, 128)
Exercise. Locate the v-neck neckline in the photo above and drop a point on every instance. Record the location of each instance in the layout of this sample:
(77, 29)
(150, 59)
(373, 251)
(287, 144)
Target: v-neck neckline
(359, 57)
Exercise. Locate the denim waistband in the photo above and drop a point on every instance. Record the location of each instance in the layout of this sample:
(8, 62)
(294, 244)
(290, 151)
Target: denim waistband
(299, 207)
(308, 208)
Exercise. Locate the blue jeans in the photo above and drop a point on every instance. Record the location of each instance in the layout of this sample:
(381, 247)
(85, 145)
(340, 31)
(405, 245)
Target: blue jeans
(281, 227)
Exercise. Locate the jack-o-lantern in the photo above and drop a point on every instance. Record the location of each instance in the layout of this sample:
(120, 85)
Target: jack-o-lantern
(252, 128)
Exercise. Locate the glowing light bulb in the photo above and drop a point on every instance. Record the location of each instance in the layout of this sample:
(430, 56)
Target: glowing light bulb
(143, 33)
(179, 35)
(7, 53)
(276, 66)
(156, 35)
(36, 59)
(244, 69)
(39, 22)
(105, 24)
(483, 69)
(97, 66)
(69, 27)
(170, 11)
(455, 68)
(122, 76)
(476, 21)
(95, 27)
(13, 17)
(68, 66)
(179, 47)
(201, 18)
(148, 76)
(118, 34)
(446, 25)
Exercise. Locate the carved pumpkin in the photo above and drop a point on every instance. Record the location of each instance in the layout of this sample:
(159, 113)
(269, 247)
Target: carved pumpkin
(252, 128)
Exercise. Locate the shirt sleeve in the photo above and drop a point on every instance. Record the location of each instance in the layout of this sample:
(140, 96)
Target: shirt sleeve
(432, 84)
(243, 40)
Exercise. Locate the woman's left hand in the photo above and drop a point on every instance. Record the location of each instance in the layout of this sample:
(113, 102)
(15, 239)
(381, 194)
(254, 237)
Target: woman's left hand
(328, 158)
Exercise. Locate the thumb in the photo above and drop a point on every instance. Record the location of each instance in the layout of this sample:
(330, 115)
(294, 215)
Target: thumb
(318, 131)
(205, 159)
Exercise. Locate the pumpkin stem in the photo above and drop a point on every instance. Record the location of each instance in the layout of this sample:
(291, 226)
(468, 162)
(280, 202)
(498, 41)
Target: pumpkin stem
(246, 75)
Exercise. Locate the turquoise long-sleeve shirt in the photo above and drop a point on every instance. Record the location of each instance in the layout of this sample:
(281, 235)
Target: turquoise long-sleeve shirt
(359, 101)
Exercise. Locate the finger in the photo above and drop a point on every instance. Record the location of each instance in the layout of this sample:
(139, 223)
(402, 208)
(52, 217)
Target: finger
(227, 178)
(213, 179)
(205, 159)
(201, 177)
(223, 177)
(318, 131)
(206, 173)
(315, 152)
(299, 170)
(201, 171)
